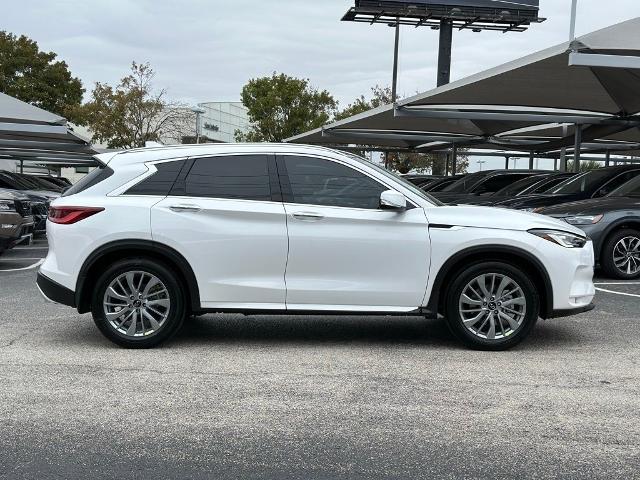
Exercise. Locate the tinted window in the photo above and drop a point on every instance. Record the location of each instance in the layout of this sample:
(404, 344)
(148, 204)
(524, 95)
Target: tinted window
(93, 178)
(322, 182)
(159, 183)
(466, 183)
(585, 182)
(619, 181)
(514, 188)
(497, 182)
(629, 189)
(244, 177)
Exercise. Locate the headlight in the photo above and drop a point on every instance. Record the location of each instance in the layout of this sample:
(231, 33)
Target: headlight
(565, 239)
(7, 206)
(584, 219)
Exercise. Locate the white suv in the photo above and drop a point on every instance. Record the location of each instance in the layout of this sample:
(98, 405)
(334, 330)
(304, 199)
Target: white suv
(157, 234)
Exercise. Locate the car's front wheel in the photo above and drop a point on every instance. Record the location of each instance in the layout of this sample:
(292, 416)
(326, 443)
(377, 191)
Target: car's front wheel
(138, 303)
(621, 255)
(492, 305)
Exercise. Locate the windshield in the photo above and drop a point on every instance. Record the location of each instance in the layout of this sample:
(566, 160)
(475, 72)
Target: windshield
(629, 189)
(517, 187)
(583, 183)
(466, 183)
(408, 185)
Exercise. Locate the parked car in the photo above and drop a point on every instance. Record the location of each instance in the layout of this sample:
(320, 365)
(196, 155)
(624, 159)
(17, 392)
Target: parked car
(420, 180)
(592, 184)
(14, 181)
(613, 223)
(16, 222)
(483, 184)
(525, 186)
(158, 233)
(440, 184)
(61, 182)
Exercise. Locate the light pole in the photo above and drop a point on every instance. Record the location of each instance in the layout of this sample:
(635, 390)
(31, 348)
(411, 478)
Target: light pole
(198, 111)
(480, 162)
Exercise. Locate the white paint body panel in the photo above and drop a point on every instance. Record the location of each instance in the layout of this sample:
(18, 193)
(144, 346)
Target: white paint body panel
(255, 255)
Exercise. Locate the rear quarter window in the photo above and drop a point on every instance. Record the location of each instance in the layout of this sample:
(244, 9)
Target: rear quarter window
(91, 179)
(161, 182)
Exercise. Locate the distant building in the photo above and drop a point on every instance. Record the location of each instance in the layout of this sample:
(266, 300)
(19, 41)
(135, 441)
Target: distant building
(218, 123)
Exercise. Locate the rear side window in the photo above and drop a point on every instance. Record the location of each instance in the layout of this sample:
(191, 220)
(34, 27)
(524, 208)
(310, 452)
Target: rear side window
(89, 180)
(240, 177)
(161, 182)
(497, 182)
(316, 181)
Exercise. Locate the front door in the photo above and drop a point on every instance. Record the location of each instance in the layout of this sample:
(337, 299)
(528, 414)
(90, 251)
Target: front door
(225, 216)
(345, 253)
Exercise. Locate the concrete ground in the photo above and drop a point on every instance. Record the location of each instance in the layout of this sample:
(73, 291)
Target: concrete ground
(315, 397)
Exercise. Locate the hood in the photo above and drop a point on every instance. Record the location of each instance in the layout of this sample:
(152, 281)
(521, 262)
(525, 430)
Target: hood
(535, 201)
(43, 195)
(13, 194)
(593, 206)
(496, 218)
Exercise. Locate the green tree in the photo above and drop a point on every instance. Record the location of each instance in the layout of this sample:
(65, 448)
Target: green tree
(281, 106)
(134, 113)
(585, 165)
(36, 77)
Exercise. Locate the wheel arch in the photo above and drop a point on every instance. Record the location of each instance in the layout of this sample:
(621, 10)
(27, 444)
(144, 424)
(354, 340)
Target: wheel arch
(119, 249)
(501, 253)
(620, 224)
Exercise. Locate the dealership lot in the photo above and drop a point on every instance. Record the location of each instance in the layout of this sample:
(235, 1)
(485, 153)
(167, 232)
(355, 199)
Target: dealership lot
(319, 397)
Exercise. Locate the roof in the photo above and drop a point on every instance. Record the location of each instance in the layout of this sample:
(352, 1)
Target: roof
(536, 90)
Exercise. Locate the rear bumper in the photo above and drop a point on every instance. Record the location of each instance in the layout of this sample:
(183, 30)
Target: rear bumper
(572, 311)
(54, 292)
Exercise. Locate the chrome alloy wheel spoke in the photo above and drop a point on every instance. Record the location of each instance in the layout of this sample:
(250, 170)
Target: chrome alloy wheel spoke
(626, 255)
(492, 306)
(136, 304)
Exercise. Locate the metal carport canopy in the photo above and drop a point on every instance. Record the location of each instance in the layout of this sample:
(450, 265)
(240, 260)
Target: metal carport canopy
(538, 89)
(31, 134)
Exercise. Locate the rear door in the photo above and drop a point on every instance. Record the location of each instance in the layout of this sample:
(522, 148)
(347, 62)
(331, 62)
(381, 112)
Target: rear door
(226, 217)
(345, 253)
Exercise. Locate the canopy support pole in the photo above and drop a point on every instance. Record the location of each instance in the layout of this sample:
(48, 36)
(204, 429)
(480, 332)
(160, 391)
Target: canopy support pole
(577, 148)
(446, 165)
(454, 159)
(444, 51)
(555, 164)
(531, 157)
(21, 166)
(607, 158)
(394, 83)
(506, 162)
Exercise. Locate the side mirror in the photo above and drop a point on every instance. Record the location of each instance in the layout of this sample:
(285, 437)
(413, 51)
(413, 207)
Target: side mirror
(392, 200)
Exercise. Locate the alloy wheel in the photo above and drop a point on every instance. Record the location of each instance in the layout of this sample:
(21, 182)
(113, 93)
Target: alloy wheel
(626, 255)
(136, 304)
(492, 306)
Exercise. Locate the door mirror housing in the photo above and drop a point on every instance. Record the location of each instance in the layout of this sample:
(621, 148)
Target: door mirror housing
(392, 200)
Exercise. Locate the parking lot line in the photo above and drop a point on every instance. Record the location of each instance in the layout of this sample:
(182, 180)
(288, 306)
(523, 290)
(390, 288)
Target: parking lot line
(37, 264)
(618, 293)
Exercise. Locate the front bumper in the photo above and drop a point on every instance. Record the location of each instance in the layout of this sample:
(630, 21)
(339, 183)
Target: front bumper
(54, 292)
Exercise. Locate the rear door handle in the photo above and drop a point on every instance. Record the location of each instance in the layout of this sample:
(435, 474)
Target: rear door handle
(185, 208)
(308, 216)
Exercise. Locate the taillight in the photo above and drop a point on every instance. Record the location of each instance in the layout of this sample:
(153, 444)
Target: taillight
(69, 215)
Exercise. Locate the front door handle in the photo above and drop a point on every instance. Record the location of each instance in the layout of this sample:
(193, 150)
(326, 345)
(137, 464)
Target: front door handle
(307, 216)
(185, 208)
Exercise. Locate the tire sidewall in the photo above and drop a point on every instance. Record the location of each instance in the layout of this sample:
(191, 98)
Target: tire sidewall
(459, 282)
(176, 295)
(608, 265)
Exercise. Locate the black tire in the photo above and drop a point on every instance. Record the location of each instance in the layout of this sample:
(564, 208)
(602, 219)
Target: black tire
(608, 264)
(175, 293)
(457, 288)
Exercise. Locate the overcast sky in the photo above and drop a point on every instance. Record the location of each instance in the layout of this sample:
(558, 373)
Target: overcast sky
(205, 50)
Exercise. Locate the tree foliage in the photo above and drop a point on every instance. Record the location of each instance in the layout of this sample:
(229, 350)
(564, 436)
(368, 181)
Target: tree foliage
(133, 113)
(281, 106)
(36, 77)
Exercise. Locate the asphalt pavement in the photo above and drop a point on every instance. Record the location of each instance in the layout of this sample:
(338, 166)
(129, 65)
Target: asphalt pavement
(287, 397)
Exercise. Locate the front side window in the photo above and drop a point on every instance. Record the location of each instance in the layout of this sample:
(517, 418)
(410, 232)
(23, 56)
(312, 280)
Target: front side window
(240, 177)
(316, 181)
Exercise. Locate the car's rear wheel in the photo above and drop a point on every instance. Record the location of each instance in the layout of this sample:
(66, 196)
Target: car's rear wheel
(621, 255)
(492, 306)
(138, 303)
